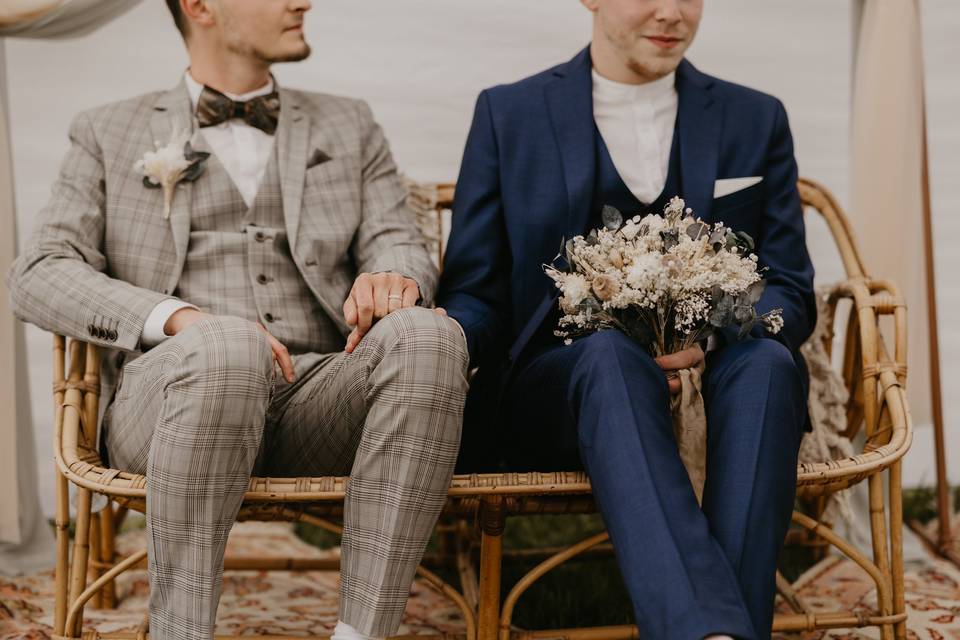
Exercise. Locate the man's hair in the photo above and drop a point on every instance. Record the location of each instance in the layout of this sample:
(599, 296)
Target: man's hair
(178, 18)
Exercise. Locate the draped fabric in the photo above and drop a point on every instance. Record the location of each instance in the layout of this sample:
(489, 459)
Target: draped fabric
(58, 18)
(26, 542)
(887, 170)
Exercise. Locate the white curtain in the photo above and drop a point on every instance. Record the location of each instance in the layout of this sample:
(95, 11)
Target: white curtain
(887, 182)
(886, 194)
(26, 543)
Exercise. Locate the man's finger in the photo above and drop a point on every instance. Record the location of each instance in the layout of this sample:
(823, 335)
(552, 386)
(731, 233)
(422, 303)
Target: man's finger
(352, 341)
(681, 360)
(363, 294)
(395, 293)
(411, 293)
(440, 311)
(381, 289)
(674, 384)
(350, 310)
(280, 354)
(286, 362)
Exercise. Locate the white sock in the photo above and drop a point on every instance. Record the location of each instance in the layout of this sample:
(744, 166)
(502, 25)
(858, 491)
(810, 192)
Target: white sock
(718, 638)
(343, 631)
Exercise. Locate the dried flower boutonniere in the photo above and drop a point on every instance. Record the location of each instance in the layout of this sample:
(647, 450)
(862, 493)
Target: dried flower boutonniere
(170, 164)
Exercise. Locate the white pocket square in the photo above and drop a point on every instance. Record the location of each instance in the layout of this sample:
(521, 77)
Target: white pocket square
(726, 186)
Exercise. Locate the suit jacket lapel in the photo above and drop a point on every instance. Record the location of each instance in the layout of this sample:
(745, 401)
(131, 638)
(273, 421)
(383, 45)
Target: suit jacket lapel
(293, 138)
(173, 114)
(570, 105)
(699, 118)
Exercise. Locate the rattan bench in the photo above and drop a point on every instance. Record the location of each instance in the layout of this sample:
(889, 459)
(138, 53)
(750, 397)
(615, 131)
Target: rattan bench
(479, 504)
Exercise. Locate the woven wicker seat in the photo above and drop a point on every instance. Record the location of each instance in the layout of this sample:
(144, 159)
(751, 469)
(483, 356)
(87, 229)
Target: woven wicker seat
(482, 502)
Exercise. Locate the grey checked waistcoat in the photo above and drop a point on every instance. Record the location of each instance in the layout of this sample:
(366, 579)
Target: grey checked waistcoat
(238, 262)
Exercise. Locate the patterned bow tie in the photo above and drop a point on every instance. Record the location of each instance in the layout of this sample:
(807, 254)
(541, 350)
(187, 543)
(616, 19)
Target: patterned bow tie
(261, 112)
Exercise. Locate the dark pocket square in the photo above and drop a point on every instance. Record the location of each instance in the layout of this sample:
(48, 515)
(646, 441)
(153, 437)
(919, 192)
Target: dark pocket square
(317, 157)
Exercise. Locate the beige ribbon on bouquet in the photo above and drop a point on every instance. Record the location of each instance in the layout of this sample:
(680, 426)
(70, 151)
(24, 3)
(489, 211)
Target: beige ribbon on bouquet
(690, 426)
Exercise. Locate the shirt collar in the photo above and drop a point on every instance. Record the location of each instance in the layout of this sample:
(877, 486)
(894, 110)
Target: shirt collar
(612, 92)
(194, 88)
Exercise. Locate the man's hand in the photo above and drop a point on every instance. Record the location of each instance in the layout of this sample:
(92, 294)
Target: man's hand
(685, 359)
(372, 297)
(183, 318)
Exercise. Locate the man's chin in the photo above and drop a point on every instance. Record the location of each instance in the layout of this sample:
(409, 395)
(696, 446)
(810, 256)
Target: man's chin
(292, 55)
(654, 68)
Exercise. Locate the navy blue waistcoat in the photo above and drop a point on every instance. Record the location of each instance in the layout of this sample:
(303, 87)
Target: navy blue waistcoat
(609, 188)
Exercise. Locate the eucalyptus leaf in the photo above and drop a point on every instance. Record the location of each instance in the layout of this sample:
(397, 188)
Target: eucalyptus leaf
(193, 171)
(590, 304)
(697, 230)
(745, 241)
(731, 239)
(190, 153)
(718, 239)
(612, 218)
(670, 239)
(744, 313)
(754, 291)
(745, 328)
(722, 313)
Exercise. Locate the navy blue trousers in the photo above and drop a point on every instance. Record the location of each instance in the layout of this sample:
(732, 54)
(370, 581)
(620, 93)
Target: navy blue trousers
(690, 571)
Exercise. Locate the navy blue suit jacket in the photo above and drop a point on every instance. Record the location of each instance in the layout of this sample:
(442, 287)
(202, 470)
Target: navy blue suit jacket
(527, 181)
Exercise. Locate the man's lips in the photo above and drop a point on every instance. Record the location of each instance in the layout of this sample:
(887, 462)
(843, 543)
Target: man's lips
(664, 42)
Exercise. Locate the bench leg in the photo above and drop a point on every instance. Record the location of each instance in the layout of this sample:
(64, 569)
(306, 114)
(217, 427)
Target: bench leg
(492, 518)
(896, 547)
(81, 555)
(62, 584)
(881, 557)
(108, 554)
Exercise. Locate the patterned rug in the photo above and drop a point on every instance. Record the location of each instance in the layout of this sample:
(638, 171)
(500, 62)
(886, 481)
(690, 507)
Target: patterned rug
(301, 603)
(253, 602)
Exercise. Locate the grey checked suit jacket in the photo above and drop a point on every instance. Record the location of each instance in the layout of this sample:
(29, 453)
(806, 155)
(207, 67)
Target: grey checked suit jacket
(102, 255)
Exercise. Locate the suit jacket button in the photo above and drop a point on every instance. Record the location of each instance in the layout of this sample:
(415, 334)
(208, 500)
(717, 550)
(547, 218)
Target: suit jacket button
(260, 236)
(112, 335)
(92, 330)
(311, 262)
(268, 317)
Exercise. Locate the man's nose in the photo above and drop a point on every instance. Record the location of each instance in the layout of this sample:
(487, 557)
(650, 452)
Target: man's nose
(668, 11)
(300, 5)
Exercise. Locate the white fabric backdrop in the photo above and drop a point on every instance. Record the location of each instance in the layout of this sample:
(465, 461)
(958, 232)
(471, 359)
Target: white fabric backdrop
(25, 537)
(421, 63)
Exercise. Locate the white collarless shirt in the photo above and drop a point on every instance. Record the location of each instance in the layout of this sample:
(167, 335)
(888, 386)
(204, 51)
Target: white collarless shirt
(636, 122)
(244, 152)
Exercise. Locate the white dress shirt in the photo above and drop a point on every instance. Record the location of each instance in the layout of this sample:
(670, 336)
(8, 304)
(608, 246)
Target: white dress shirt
(636, 122)
(244, 152)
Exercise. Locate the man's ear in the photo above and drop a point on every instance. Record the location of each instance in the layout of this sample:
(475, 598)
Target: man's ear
(199, 12)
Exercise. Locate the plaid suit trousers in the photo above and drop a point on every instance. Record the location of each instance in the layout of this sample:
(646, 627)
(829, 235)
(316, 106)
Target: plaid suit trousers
(201, 412)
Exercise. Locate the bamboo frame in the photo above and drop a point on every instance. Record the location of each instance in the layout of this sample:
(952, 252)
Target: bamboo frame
(877, 405)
